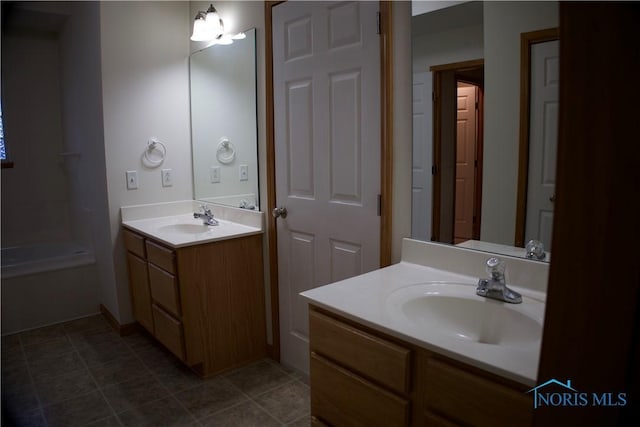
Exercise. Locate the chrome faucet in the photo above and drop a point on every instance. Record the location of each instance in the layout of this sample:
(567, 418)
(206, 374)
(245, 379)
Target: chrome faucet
(496, 287)
(206, 217)
(535, 250)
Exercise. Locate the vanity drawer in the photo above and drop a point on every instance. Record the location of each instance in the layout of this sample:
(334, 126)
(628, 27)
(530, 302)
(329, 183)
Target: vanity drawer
(366, 354)
(168, 331)
(164, 289)
(164, 258)
(468, 398)
(340, 398)
(134, 243)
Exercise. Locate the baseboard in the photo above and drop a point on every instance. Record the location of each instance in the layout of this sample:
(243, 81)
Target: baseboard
(122, 330)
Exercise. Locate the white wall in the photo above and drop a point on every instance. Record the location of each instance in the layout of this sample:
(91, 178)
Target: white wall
(504, 21)
(145, 92)
(446, 47)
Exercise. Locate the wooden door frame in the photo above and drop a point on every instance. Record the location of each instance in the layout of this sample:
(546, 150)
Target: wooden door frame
(592, 320)
(527, 40)
(437, 71)
(386, 158)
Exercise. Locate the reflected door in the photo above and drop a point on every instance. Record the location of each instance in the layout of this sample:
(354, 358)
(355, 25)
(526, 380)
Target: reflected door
(543, 142)
(422, 180)
(327, 143)
(466, 139)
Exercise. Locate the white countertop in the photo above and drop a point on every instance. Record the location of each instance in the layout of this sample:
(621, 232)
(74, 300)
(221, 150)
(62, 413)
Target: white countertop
(364, 299)
(159, 222)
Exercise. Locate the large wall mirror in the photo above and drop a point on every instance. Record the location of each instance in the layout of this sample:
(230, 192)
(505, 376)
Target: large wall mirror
(224, 130)
(466, 124)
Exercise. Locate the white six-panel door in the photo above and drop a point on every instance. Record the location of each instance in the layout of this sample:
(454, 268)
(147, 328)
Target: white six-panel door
(327, 142)
(543, 141)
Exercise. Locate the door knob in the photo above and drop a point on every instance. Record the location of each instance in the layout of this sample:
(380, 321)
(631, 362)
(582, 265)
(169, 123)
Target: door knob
(279, 212)
(552, 199)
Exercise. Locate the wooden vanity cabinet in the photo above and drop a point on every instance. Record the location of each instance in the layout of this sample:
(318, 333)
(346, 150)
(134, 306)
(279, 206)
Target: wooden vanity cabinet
(360, 376)
(205, 303)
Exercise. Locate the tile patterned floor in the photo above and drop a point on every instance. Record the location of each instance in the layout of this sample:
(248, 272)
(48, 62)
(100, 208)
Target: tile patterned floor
(81, 373)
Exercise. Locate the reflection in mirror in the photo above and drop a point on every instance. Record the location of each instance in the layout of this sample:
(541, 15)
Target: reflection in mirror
(224, 135)
(473, 184)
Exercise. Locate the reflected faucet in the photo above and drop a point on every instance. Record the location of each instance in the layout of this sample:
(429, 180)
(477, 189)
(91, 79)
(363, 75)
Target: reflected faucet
(496, 286)
(206, 216)
(535, 250)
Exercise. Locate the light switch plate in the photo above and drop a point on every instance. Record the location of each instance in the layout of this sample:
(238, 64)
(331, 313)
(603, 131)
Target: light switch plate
(167, 177)
(244, 172)
(132, 180)
(214, 174)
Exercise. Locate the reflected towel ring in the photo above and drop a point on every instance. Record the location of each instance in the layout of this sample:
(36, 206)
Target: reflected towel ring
(155, 145)
(225, 146)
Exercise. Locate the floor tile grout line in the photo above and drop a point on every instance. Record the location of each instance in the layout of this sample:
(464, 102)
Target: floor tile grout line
(170, 393)
(269, 414)
(40, 407)
(269, 391)
(98, 386)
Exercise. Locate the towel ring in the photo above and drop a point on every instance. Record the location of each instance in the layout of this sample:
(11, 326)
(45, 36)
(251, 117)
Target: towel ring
(155, 145)
(226, 152)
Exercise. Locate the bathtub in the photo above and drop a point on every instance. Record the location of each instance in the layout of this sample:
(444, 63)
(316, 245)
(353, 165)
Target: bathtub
(47, 283)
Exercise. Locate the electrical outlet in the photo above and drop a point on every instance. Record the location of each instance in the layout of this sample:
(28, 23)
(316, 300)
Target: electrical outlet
(214, 174)
(167, 177)
(132, 180)
(244, 172)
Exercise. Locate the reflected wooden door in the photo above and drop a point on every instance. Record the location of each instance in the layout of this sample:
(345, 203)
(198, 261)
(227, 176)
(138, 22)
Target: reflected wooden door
(466, 139)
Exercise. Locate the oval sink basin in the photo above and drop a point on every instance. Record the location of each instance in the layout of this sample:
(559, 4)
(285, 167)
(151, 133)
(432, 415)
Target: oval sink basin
(185, 228)
(456, 311)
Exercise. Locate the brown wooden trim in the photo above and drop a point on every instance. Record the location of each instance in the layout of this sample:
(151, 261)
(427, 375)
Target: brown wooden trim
(526, 41)
(437, 152)
(458, 66)
(438, 71)
(274, 349)
(479, 158)
(386, 132)
(593, 302)
(122, 330)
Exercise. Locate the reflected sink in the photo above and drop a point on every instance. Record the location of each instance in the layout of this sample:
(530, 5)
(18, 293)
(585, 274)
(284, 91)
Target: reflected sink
(185, 228)
(454, 310)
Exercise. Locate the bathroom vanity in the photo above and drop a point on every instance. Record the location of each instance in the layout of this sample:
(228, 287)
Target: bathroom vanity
(412, 344)
(199, 289)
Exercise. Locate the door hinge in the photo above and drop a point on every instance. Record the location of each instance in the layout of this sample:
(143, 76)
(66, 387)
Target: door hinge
(434, 170)
(378, 23)
(475, 163)
(477, 105)
(379, 204)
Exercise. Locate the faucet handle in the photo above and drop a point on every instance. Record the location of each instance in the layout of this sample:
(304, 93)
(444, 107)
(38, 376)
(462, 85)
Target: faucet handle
(496, 268)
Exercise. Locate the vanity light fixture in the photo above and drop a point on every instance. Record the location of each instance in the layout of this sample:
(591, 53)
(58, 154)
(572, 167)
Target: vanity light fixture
(208, 26)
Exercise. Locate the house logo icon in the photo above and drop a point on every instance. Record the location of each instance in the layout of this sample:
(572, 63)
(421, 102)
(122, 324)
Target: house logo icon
(566, 385)
(563, 394)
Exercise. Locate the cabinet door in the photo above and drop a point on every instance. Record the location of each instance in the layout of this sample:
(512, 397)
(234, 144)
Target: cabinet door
(139, 280)
(342, 398)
